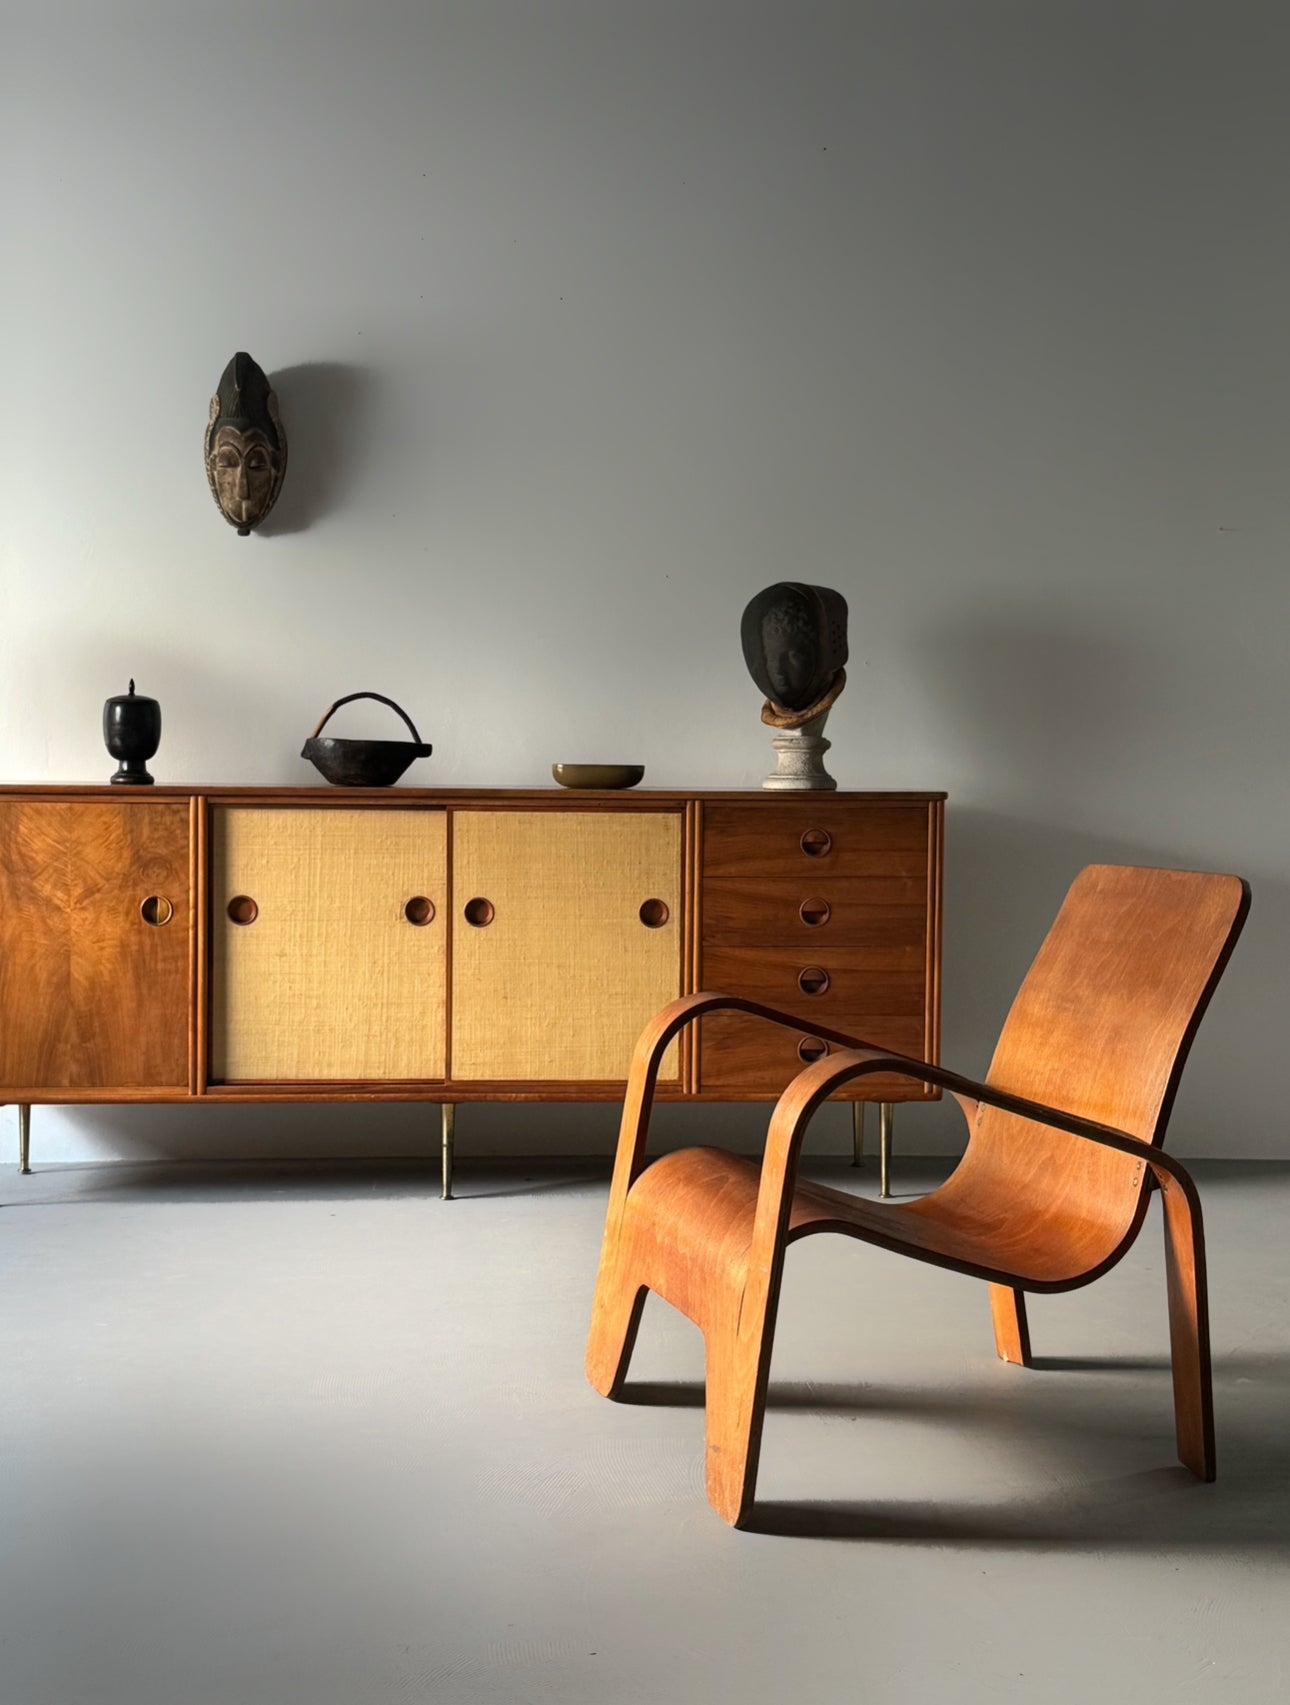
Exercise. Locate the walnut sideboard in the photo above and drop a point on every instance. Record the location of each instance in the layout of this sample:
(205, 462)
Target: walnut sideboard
(216, 944)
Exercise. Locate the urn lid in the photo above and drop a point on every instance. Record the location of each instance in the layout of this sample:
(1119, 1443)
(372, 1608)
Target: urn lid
(132, 698)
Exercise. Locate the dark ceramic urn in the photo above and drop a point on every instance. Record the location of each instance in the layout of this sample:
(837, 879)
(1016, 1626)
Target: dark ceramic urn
(132, 733)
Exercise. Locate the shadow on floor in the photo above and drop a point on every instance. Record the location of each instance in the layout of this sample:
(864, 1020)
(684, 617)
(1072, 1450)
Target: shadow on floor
(1160, 1509)
(1248, 1508)
(823, 1399)
(96, 1182)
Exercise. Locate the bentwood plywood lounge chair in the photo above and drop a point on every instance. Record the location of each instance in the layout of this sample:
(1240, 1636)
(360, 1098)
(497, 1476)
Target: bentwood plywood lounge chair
(1065, 1135)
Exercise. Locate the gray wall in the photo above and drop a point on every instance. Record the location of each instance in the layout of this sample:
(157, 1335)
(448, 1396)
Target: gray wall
(588, 320)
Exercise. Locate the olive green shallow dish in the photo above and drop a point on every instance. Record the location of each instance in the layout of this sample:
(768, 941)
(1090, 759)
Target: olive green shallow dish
(597, 775)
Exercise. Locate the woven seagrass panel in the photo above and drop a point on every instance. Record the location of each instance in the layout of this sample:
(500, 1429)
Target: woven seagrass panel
(330, 980)
(560, 983)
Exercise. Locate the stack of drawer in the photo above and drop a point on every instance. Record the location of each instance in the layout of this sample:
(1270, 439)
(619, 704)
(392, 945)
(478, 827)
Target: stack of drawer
(826, 908)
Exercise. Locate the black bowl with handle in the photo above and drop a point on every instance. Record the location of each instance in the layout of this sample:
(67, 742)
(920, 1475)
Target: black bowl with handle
(363, 763)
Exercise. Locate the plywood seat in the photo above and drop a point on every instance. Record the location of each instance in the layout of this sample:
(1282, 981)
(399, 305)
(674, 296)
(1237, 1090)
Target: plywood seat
(1065, 1137)
(717, 1191)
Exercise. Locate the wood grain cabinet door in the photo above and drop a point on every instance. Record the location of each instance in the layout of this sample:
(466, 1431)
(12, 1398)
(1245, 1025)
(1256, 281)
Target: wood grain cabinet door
(328, 933)
(96, 920)
(567, 938)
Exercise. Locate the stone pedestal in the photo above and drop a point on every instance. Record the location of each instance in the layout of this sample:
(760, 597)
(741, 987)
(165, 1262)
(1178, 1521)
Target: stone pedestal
(800, 758)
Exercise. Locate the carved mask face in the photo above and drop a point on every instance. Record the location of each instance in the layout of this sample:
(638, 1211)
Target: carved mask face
(244, 474)
(246, 447)
(794, 642)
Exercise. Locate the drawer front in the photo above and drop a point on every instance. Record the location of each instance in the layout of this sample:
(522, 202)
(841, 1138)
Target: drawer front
(749, 1057)
(848, 988)
(889, 912)
(815, 839)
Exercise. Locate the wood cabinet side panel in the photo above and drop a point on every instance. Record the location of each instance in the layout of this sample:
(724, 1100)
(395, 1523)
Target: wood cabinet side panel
(879, 945)
(561, 982)
(92, 995)
(330, 980)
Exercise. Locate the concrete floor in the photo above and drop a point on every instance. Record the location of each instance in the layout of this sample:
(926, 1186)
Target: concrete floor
(308, 1436)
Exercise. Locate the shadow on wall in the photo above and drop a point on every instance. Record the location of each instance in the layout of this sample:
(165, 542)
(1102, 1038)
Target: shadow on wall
(195, 696)
(326, 407)
(1045, 712)
(1081, 728)
(409, 1131)
(1072, 723)
(1005, 879)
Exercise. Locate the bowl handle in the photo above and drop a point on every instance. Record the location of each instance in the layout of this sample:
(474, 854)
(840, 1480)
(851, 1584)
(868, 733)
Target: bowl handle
(383, 700)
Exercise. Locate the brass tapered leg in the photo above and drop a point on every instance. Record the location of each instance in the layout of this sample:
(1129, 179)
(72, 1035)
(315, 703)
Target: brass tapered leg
(857, 1133)
(886, 1118)
(449, 1112)
(24, 1137)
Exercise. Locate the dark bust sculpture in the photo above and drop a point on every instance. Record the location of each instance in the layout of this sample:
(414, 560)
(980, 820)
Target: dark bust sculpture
(246, 447)
(795, 644)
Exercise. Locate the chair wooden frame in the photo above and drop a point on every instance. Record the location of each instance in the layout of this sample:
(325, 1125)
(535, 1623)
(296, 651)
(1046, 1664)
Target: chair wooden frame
(708, 1231)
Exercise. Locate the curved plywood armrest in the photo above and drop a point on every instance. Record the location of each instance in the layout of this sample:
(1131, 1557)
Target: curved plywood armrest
(817, 1083)
(647, 1056)
(814, 1085)
(654, 1040)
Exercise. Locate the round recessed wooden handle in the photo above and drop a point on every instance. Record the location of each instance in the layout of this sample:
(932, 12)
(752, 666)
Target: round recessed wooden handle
(419, 910)
(814, 980)
(813, 913)
(654, 913)
(156, 910)
(817, 842)
(479, 912)
(810, 1049)
(242, 909)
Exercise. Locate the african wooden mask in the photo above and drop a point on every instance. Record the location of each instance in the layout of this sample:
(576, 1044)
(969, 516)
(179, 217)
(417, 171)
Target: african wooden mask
(795, 642)
(246, 447)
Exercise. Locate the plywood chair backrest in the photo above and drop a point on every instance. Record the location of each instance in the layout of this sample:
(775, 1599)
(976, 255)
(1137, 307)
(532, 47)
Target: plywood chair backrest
(1101, 1027)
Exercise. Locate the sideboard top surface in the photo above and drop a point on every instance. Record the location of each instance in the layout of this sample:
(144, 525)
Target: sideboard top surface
(571, 797)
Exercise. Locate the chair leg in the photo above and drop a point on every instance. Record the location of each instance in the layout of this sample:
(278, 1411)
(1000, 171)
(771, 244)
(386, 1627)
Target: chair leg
(615, 1321)
(1011, 1329)
(735, 1409)
(1189, 1328)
